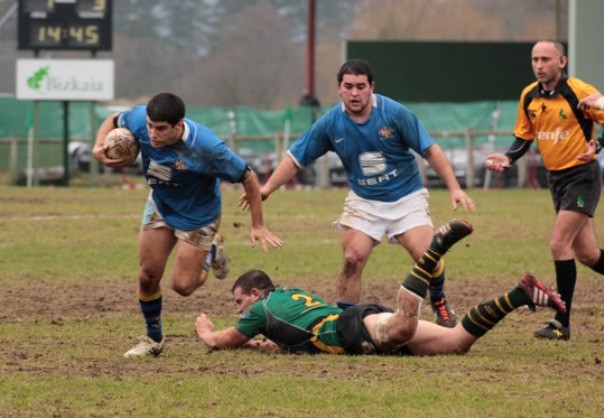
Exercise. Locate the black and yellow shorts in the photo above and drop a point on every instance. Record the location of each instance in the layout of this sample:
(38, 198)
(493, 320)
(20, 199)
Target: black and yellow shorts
(354, 336)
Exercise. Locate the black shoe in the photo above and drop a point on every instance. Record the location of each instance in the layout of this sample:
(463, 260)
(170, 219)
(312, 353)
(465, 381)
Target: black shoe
(447, 235)
(554, 331)
(445, 317)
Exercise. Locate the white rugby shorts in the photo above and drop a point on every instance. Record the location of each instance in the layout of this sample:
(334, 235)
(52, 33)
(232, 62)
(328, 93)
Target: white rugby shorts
(377, 219)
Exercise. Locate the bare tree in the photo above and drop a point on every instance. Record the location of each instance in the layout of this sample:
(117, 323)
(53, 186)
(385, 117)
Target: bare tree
(186, 26)
(142, 69)
(459, 20)
(252, 53)
(255, 64)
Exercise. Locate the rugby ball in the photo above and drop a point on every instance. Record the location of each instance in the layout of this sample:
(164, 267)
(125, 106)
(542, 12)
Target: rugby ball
(121, 145)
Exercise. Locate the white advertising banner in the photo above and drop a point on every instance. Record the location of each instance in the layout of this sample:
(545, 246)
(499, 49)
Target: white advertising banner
(65, 79)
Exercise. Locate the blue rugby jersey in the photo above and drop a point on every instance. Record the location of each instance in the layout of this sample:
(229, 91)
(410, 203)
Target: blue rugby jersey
(185, 176)
(376, 154)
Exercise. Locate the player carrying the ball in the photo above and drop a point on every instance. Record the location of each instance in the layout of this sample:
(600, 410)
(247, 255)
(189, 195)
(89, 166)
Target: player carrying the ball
(183, 162)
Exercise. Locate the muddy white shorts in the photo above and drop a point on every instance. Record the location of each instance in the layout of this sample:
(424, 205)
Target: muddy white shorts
(201, 237)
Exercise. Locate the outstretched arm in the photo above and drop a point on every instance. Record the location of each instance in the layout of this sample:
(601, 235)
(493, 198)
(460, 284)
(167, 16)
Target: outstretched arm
(226, 338)
(439, 163)
(501, 162)
(254, 200)
(285, 171)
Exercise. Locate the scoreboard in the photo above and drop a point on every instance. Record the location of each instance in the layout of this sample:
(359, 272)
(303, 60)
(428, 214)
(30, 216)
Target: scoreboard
(65, 25)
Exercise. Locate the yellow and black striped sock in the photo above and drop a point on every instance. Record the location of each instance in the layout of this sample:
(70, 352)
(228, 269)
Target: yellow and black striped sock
(151, 309)
(420, 276)
(483, 317)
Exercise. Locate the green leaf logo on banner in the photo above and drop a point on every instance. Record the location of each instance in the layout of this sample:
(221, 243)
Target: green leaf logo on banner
(36, 79)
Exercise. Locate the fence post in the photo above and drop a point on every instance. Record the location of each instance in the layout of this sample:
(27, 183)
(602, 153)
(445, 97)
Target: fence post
(279, 140)
(233, 125)
(14, 161)
(33, 153)
(93, 166)
(470, 174)
(522, 173)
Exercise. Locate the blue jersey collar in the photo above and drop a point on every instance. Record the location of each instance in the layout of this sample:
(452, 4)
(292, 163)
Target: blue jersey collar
(185, 132)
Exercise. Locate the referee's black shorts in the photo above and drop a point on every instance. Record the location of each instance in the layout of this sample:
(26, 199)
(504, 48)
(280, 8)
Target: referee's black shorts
(576, 189)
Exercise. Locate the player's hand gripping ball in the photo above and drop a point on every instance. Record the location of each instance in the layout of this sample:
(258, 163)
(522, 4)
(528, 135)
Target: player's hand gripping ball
(121, 145)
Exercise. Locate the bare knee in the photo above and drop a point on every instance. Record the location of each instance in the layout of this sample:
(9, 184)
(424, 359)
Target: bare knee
(394, 329)
(148, 282)
(560, 250)
(353, 263)
(402, 330)
(589, 259)
(183, 289)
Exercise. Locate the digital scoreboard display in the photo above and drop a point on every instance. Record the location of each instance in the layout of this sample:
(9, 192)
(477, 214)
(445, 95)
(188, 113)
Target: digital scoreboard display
(65, 24)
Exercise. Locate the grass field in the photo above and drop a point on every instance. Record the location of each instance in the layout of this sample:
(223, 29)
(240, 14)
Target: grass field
(68, 311)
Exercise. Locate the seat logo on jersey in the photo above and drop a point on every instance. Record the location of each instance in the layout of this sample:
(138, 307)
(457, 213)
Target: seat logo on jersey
(160, 172)
(385, 132)
(372, 163)
(553, 136)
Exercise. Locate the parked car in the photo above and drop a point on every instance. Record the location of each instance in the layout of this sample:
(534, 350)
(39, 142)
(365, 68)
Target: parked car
(458, 157)
(264, 163)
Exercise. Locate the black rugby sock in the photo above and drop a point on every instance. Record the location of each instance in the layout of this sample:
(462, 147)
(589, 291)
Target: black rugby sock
(566, 278)
(599, 266)
(151, 309)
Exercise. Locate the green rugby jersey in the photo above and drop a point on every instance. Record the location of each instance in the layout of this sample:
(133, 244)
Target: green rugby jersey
(294, 319)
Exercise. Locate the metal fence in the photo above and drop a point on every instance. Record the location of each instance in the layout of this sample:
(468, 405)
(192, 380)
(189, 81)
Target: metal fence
(466, 150)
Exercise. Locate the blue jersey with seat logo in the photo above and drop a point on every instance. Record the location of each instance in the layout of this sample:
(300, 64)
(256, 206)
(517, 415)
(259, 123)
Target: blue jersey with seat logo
(376, 154)
(185, 177)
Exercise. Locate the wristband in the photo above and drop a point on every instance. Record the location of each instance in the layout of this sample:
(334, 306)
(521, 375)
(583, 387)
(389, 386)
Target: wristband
(600, 103)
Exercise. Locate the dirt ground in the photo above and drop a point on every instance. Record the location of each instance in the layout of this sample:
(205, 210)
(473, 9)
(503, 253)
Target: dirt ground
(43, 301)
(97, 299)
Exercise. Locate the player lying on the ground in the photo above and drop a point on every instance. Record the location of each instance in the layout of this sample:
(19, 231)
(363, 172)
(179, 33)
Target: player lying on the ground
(297, 321)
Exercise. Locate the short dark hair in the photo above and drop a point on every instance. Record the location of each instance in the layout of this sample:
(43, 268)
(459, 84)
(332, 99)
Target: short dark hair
(356, 67)
(557, 44)
(166, 107)
(253, 279)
